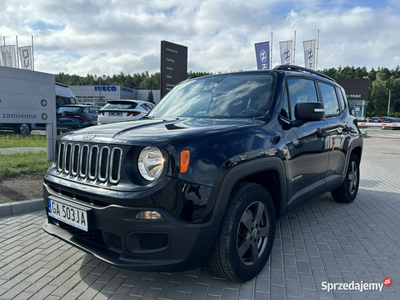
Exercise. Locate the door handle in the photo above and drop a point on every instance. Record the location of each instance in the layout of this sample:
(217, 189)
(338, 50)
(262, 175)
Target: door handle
(322, 133)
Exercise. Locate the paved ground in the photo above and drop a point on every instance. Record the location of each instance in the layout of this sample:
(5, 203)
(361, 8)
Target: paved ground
(321, 241)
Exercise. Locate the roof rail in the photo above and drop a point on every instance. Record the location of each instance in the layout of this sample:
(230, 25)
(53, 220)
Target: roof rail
(298, 69)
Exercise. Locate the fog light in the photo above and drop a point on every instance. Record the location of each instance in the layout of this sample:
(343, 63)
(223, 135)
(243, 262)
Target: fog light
(149, 215)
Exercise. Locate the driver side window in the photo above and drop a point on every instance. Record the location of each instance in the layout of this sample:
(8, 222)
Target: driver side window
(300, 90)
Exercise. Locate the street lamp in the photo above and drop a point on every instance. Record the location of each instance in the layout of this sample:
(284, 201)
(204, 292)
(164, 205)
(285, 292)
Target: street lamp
(99, 78)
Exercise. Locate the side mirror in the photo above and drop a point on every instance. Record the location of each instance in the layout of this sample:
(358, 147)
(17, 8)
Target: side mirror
(309, 111)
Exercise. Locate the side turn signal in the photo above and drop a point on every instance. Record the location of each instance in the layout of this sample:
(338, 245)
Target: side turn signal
(184, 163)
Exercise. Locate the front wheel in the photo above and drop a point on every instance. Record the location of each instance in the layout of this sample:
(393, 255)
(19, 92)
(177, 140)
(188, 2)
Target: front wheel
(247, 234)
(348, 190)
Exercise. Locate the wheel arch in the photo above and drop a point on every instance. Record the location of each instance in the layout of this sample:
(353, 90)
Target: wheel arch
(356, 148)
(268, 172)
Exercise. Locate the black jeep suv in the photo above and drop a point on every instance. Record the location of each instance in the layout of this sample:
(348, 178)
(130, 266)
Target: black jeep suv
(207, 173)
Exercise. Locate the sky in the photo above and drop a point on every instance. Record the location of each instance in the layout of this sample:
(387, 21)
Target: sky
(109, 37)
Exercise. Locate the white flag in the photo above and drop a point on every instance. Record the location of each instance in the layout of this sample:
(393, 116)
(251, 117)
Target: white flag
(309, 54)
(286, 52)
(9, 57)
(25, 56)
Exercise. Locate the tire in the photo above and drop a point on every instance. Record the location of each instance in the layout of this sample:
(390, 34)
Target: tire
(347, 191)
(241, 226)
(23, 129)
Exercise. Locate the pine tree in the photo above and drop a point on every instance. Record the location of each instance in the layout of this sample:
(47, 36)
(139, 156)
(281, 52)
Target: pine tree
(150, 97)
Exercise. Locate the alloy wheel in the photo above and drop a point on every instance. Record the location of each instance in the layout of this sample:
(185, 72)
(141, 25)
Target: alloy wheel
(24, 129)
(253, 231)
(353, 177)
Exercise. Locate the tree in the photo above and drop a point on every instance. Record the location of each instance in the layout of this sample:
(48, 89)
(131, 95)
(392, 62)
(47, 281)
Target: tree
(150, 97)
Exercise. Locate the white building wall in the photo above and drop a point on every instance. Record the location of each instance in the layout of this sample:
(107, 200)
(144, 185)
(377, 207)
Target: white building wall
(143, 94)
(91, 93)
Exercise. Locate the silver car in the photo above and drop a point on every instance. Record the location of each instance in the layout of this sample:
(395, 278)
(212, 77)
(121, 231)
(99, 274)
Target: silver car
(123, 110)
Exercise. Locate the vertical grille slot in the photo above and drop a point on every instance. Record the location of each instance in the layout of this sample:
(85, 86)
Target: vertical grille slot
(91, 162)
(68, 159)
(84, 161)
(116, 159)
(94, 151)
(103, 163)
(60, 161)
(75, 159)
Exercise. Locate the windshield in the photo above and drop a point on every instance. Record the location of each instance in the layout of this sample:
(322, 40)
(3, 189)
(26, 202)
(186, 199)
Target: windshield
(221, 96)
(65, 101)
(120, 105)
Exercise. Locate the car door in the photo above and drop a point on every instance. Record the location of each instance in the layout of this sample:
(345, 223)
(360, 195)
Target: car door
(337, 132)
(305, 149)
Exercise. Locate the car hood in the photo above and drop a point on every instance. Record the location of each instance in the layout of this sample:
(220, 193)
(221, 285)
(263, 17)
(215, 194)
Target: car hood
(152, 132)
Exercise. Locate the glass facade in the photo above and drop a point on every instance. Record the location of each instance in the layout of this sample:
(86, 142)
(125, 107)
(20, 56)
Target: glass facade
(358, 108)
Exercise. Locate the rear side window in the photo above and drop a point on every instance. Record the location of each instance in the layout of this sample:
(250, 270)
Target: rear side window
(300, 90)
(146, 107)
(342, 103)
(94, 110)
(329, 99)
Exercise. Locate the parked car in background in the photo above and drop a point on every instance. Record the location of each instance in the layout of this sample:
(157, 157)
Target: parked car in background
(390, 120)
(374, 119)
(72, 117)
(124, 110)
(64, 96)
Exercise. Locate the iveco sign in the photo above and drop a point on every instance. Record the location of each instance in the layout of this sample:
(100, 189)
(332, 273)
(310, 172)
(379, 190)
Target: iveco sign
(109, 88)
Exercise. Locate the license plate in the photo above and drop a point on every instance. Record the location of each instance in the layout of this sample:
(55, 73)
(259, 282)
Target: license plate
(67, 213)
(115, 114)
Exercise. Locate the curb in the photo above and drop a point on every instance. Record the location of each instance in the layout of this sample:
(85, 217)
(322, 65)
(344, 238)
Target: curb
(21, 207)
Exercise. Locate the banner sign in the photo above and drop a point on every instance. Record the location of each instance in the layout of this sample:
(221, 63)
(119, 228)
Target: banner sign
(286, 52)
(9, 56)
(25, 56)
(173, 65)
(262, 55)
(309, 54)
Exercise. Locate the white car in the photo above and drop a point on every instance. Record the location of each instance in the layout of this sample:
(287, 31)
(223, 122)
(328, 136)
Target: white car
(123, 110)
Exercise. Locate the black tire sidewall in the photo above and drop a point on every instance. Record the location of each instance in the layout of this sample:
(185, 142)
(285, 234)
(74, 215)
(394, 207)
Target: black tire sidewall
(241, 200)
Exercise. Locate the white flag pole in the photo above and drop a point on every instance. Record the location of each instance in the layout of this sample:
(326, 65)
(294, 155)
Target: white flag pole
(16, 39)
(270, 64)
(316, 63)
(294, 49)
(33, 57)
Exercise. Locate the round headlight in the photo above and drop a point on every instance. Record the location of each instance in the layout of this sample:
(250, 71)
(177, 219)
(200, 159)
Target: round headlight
(151, 163)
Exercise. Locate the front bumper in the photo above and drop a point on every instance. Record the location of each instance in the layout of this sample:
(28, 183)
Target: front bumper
(117, 237)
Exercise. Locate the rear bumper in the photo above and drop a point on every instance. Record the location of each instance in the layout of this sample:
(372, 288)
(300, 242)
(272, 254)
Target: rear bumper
(117, 237)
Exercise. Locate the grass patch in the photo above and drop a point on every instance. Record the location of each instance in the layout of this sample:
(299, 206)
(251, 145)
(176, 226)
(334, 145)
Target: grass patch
(17, 140)
(23, 163)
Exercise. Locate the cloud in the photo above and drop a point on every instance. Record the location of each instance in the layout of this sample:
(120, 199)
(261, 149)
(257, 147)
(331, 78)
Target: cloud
(107, 37)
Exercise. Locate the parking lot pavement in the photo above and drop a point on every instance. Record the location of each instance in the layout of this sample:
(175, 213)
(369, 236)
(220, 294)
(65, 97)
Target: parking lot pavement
(323, 241)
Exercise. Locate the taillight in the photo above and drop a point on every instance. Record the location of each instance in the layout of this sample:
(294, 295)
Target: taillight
(101, 113)
(83, 118)
(132, 113)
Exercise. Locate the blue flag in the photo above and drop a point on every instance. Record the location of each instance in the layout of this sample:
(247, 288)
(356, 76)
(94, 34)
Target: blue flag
(262, 55)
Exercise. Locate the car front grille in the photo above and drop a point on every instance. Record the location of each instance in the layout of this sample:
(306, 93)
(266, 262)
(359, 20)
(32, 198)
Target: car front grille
(90, 162)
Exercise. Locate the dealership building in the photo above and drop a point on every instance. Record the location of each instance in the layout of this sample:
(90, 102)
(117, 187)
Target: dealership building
(357, 96)
(100, 94)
